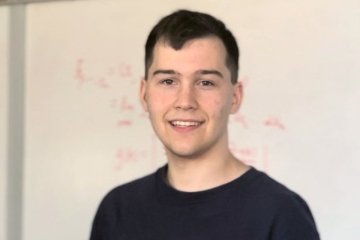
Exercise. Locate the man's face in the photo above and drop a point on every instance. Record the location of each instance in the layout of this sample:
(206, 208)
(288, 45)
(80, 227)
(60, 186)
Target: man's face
(189, 96)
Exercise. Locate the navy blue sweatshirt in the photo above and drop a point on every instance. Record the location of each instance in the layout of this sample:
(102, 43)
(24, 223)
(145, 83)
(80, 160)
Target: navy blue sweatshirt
(251, 207)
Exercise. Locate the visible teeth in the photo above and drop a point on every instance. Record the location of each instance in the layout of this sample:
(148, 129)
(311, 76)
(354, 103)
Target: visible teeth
(184, 124)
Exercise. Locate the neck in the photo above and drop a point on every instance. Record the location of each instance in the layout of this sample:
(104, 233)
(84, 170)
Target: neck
(191, 175)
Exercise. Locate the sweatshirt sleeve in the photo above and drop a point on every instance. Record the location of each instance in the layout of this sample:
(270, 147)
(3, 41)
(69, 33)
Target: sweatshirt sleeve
(105, 220)
(294, 221)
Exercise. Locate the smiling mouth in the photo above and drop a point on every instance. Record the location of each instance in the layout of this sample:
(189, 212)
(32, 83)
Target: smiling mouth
(178, 123)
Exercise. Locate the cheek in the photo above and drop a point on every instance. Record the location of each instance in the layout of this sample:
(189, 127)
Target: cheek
(158, 102)
(220, 106)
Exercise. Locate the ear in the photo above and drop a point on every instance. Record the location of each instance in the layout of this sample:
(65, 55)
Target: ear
(143, 96)
(237, 97)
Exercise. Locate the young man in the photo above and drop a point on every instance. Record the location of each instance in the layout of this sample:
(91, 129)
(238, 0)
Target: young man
(204, 192)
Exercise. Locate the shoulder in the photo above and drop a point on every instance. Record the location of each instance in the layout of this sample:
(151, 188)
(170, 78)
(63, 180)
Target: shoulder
(130, 190)
(273, 194)
(110, 211)
(262, 185)
(290, 214)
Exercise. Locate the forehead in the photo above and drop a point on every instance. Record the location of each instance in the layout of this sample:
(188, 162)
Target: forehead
(207, 52)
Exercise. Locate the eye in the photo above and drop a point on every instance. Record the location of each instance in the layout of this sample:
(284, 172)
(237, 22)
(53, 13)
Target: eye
(206, 83)
(167, 81)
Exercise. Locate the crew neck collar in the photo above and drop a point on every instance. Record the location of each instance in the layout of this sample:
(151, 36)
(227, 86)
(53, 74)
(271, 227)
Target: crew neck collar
(169, 195)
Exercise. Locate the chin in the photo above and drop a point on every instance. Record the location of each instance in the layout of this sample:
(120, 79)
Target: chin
(183, 153)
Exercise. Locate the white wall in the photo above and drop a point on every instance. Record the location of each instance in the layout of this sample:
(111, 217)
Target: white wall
(4, 15)
(86, 132)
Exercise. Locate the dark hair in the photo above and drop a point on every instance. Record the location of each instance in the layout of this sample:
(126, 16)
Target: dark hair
(182, 26)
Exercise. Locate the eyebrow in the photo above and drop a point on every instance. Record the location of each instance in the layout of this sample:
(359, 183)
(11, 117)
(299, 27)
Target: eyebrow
(210, 72)
(164, 71)
(200, 72)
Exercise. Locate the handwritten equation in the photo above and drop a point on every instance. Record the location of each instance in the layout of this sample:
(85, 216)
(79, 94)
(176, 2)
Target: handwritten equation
(269, 122)
(257, 155)
(102, 80)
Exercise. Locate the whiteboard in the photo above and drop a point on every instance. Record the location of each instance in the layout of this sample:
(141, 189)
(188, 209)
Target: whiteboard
(86, 131)
(4, 16)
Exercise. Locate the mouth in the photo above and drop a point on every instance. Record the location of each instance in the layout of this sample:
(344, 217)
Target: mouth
(183, 123)
(184, 126)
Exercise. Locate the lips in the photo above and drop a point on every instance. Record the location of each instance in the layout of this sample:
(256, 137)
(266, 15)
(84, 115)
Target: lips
(185, 123)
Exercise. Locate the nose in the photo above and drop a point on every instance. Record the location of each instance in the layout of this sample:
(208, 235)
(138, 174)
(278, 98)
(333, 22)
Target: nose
(186, 98)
